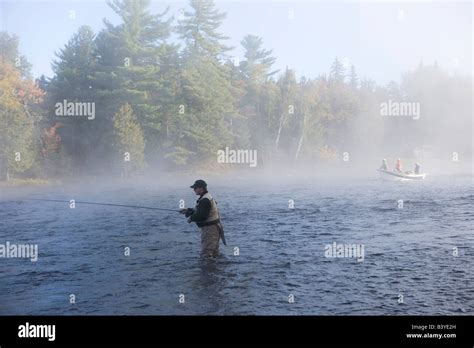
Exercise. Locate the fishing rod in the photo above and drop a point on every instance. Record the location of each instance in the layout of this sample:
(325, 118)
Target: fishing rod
(97, 203)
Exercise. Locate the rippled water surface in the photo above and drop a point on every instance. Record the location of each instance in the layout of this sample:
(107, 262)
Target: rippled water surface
(408, 251)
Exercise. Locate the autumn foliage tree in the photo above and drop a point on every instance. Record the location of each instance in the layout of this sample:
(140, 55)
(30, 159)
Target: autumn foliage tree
(19, 143)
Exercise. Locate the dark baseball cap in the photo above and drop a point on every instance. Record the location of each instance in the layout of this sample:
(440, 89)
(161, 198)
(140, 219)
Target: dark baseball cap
(199, 183)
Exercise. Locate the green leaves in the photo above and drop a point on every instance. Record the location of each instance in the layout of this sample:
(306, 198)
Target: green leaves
(199, 29)
(188, 99)
(129, 141)
(206, 88)
(17, 124)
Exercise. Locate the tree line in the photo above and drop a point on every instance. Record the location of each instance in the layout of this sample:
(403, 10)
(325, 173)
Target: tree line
(173, 103)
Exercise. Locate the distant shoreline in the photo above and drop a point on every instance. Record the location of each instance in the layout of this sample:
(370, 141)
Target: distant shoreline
(241, 174)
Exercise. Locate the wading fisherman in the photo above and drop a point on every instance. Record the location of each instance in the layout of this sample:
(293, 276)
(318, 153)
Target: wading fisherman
(206, 216)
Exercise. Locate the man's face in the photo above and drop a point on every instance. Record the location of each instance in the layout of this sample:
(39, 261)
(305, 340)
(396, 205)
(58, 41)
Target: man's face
(198, 190)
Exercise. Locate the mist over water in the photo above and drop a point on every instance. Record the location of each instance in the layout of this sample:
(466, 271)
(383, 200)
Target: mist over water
(408, 251)
(287, 112)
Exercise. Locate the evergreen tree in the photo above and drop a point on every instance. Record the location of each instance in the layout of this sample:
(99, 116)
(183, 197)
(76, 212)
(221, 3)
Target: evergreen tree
(199, 30)
(207, 92)
(137, 65)
(73, 82)
(337, 72)
(130, 142)
(254, 107)
(190, 101)
(258, 61)
(353, 78)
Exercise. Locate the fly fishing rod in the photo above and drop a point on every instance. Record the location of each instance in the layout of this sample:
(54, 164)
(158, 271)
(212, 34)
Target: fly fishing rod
(107, 204)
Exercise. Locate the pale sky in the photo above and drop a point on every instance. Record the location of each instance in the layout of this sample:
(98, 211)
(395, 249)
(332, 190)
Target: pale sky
(382, 39)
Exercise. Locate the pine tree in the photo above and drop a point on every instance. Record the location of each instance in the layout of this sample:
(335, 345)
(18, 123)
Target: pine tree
(207, 92)
(73, 81)
(137, 65)
(353, 78)
(199, 30)
(130, 142)
(258, 61)
(337, 72)
(256, 73)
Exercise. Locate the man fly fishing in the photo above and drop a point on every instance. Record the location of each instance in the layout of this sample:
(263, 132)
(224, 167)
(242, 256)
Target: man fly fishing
(206, 216)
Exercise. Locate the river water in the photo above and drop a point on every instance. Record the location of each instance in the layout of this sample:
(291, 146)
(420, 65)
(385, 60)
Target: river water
(417, 239)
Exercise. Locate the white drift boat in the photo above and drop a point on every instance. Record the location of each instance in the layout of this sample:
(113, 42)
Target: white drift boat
(401, 175)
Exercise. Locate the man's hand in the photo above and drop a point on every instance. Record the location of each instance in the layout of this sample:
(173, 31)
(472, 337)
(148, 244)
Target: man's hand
(187, 211)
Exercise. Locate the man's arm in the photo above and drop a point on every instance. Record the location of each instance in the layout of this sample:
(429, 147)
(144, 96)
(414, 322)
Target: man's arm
(202, 210)
(187, 211)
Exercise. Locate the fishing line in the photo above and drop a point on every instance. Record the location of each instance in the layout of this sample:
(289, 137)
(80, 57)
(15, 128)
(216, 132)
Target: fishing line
(107, 204)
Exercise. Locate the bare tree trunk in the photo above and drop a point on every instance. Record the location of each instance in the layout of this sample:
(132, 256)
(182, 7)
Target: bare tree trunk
(301, 138)
(279, 132)
(299, 145)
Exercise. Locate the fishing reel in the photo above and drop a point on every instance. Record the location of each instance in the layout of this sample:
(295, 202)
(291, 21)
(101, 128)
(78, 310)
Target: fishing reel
(187, 211)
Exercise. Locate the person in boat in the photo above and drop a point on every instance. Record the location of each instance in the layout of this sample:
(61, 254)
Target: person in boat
(398, 167)
(417, 168)
(206, 216)
(384, 165)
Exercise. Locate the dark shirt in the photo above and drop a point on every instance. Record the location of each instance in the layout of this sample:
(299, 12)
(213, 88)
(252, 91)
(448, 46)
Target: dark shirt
(203, 208)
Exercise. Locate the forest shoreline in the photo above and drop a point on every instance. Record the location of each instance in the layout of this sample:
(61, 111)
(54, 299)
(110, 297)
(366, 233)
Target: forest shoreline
(283, 173)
